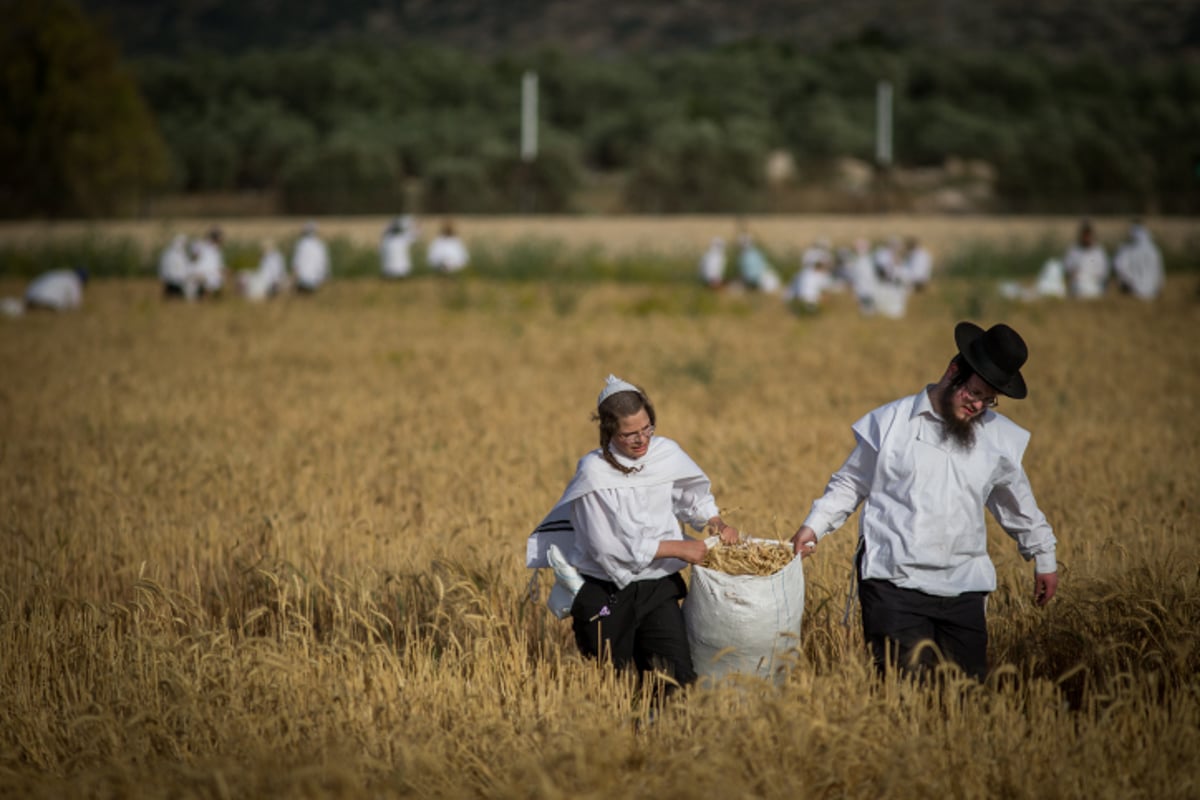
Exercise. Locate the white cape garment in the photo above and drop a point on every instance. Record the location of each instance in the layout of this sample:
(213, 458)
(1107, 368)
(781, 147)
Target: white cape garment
(664, 462)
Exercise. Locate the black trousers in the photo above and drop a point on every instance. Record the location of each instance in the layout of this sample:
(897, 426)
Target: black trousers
(899, 624)
(641, 624)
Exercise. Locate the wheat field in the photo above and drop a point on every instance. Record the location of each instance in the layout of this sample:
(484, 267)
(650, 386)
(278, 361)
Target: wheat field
(277, 550)
(677, 234)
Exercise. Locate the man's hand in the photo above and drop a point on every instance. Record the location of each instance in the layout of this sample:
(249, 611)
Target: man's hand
(692, 551)
(1044, 587)
(804, 543)
(728, 533)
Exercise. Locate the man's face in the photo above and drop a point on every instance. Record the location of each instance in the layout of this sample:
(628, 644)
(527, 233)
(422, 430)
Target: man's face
(970, 400)
(632, 438)
(963, 407)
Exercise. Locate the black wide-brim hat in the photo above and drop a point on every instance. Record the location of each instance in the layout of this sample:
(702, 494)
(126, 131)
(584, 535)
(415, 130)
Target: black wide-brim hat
(996, 355)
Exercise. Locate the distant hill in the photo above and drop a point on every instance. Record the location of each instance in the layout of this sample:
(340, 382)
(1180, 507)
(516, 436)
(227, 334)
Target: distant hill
(1119, 28)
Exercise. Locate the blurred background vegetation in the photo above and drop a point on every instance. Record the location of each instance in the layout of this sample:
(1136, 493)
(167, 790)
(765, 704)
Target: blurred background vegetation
(122, 108)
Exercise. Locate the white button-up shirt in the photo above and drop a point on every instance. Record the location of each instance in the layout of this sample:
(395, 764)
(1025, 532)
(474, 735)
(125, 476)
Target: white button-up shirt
(60, 289)
(208, 266)
(923, 496)
(617, 531)
(1087, 270)
(447, 254)
(310, 261)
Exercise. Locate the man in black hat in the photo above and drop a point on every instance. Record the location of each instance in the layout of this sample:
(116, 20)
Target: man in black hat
(924, 468)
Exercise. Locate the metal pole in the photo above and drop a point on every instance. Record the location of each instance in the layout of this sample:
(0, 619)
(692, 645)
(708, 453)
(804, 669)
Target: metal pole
(883, 123)
(529, 110)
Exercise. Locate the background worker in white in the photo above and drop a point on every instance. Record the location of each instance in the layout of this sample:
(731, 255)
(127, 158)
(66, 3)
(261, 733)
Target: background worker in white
(712, 264)
(395, 248)
(621, 515)
(819, 252)
(925, 467)
(1138, 264)
(447, 253)
(754, 269)
(888, 259)
(863, 277)
(1086, 265)
(916, 269)
(269, 279)
(57, 290)
(175, 269)
(310, 260)
(208, 263)
(813, 279)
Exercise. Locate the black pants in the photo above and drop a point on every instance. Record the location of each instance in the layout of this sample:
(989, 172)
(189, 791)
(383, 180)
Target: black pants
(898, 624)
(641, 623)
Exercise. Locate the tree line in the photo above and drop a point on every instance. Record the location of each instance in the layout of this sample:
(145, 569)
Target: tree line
(349, 128)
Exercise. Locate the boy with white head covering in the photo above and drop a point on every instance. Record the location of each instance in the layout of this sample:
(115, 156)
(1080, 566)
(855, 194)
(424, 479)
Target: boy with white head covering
(618, 525)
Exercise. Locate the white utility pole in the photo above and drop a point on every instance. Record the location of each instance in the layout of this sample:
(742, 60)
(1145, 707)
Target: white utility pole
(529, 112)
(883, 123)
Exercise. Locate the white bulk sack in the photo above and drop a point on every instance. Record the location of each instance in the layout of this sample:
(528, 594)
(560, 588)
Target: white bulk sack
(891, 300)
(743, 623)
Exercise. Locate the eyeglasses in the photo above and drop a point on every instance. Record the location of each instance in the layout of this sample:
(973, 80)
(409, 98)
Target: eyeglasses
(975, 397)
(626, 438)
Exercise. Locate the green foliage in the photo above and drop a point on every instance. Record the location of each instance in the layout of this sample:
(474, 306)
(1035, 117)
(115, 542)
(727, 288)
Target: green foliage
(100, 256)
(352, 261)
(346, 126)
(348, 173)
(699, 166)
(267, 135)
(544, 185)
(76, 137)
(988, 259)
(455, 184)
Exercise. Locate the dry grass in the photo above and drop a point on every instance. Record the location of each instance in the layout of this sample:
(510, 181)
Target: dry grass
(276, 550)
(748, 557)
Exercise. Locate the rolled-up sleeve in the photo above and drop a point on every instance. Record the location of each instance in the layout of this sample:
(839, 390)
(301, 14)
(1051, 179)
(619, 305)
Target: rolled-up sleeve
(693, 502)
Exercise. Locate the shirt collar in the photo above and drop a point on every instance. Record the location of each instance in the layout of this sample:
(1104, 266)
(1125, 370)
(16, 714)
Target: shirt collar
(923, 405)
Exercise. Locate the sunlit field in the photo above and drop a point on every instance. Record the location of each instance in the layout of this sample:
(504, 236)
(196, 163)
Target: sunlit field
(277, 550)
(688, 234)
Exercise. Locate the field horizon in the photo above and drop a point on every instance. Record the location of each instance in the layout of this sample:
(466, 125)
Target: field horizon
(632, 233)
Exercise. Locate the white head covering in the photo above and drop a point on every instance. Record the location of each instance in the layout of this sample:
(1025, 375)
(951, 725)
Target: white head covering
(612, 385)
(1138, 233)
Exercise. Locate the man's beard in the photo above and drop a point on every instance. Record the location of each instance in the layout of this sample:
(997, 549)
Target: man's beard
(961, 431)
